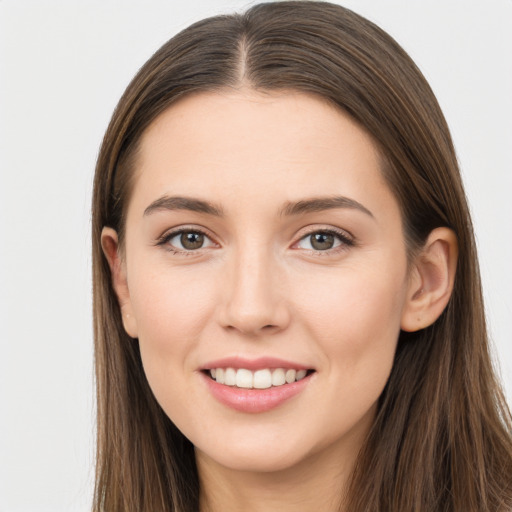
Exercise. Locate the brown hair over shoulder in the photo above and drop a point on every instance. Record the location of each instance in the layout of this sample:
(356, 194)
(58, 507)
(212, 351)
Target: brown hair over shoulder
(441, 440)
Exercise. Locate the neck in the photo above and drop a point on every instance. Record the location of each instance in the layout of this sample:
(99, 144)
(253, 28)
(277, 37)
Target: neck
(317, 483)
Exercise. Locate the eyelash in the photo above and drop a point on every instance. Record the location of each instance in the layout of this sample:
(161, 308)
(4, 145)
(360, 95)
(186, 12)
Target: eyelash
(166, 237)
(345, 239)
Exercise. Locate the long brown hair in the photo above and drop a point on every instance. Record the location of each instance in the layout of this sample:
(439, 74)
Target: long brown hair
(442, 439)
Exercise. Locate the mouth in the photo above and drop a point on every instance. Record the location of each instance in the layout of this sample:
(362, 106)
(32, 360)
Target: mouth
(264, 378)
(256, 385)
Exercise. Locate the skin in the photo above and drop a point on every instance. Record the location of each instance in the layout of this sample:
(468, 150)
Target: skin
(257, 287)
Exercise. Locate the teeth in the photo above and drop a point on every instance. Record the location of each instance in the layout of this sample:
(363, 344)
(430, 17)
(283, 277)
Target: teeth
(290, 376)
(300, 374)
(260, 379)
(278, 377)
(243, 378)
(230, 377)
(219, 375)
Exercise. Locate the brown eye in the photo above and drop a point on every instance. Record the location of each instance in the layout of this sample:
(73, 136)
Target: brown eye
(322, 241)
(191, 240)
(325, 240)
(186, 241)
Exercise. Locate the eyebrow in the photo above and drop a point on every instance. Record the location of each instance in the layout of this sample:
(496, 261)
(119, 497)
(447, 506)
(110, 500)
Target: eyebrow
(184, 203)
(315, 204)
(318, 204)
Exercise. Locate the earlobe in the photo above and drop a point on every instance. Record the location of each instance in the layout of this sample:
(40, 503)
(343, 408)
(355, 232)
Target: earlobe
(431, 281)
(111, 249)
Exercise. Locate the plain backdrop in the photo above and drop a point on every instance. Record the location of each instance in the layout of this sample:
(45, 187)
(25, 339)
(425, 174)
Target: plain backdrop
(63, 66)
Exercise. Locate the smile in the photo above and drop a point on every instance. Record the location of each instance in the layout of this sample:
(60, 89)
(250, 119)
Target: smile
(255, 386)
(259, 379)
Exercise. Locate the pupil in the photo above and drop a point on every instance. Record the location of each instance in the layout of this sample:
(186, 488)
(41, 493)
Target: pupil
(322, 241)
(192, 240)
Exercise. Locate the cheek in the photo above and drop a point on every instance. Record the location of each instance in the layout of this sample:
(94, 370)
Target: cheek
(355, 316)
(356, 323)
(171, 309)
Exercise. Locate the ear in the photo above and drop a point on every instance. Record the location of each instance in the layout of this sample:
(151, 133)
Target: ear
(110, 246)
(431, 280)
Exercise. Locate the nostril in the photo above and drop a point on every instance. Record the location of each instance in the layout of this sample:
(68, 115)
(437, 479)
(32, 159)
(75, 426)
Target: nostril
(251, 328)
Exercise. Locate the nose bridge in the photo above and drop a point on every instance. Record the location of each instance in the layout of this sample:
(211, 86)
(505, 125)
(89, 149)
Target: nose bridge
(254, 301)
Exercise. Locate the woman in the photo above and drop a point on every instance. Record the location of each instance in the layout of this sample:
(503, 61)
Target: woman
(288, 310)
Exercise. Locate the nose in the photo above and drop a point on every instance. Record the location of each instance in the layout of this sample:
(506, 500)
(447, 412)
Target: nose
(254, 300)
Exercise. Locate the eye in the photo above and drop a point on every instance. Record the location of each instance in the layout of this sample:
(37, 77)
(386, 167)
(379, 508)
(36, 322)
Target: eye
(324, 240)
(186, 240)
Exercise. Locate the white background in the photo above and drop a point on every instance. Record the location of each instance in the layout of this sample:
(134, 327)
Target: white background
(63, 66)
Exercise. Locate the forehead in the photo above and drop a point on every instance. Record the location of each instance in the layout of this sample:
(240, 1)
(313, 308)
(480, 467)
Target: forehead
(255, 146)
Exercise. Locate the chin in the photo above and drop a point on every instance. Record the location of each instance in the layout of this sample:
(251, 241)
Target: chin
(261, 456)
(257, 461)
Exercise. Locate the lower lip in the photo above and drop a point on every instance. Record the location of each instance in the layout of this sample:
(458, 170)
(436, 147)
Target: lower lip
(255, 400)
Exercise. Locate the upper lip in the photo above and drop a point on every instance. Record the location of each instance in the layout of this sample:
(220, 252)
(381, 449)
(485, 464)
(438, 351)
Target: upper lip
(260, 363)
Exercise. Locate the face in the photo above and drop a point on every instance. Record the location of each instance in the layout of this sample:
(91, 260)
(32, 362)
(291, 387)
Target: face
(262, 243)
